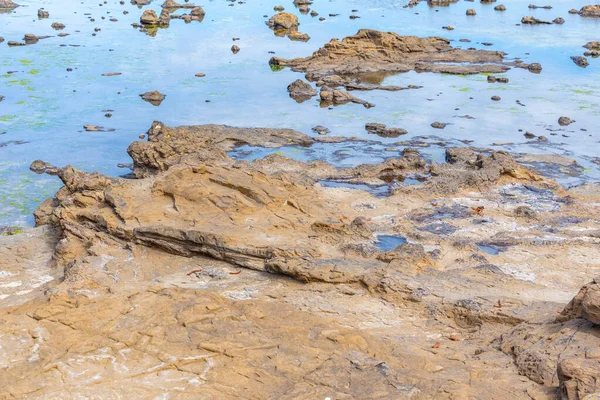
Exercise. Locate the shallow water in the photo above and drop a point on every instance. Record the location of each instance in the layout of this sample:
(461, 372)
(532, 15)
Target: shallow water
(389, 242)
(45, 107)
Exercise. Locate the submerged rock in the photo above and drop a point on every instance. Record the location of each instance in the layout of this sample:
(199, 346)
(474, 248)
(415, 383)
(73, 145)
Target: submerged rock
(301, 91)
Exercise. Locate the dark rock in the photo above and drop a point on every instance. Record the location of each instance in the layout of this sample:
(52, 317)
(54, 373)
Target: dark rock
(382, 131)
(235, 49)
(42, 167)
(301, 91)
(500, 7)
(590, 11)
(43, 14)
(529, 20)
(321, 130)
(580, 61)
(565, 121)
(154, 98)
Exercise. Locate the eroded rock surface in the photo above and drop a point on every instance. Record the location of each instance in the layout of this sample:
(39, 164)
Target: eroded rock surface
(215, 277)
(375, 53)
(371, 51)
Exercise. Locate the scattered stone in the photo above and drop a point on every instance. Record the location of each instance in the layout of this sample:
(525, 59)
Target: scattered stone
(321, 130)
(171, 4)
(57, 26)
(200, 75)
(494, 79)
(43, 14)
(438, 125)
(382, 131)
(496, 98)
(235, 49)
(580, 61)
(470, 11)
(533, 6)
(149, 17)
(154, 98)
(565, 121)
(332, 96)
(93, 128)
(500, 7)
(535, 67)
(529, 20)
(42, 167)
(559, 21)
(111, 73)
(301, 91)
(283, 21)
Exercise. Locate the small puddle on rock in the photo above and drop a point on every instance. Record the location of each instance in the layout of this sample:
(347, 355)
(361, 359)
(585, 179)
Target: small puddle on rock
(378, 191)
(491, 249)
(389, 242)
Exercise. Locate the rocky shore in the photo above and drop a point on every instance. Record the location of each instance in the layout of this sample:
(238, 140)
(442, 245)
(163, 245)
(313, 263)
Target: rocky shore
(211, 277)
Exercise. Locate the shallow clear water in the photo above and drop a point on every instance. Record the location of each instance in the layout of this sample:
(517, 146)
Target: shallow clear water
(45, 107)
(389, 242)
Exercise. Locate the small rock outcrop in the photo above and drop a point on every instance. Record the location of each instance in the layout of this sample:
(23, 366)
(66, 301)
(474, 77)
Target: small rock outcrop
(154, 98)
(590, 11)
(149, 17)
(580, 61)
(301, 91)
